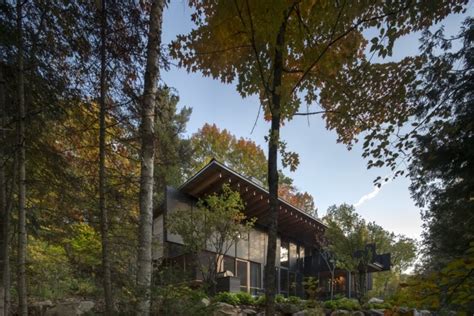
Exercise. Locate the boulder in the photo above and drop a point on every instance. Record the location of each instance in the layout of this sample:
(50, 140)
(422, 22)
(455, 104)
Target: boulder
(205, 302)
(357, 313)
(287, 308)
(70, 308)
(39, 308)
(375, 300)
(340, 312)
(311, 311)
(425, 313)
(376, 312)
(403, 309)
(224, 309)
(248, 311)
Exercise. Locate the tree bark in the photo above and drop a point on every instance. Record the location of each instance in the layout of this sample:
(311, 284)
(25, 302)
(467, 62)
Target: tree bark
(22, 237)
(270, 271)
(147, 158)
(332, 284)
(104, 221)
(4, 214)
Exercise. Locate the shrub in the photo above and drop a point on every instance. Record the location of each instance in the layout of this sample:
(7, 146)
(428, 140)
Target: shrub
(53, 277)
(348, 304)
(309, 304)
(261, 300)
(227, 297)
(180, 300)
(280, 298)
(332, 305)
(245, 298)
(316, 311)
(343, 303)
(294, 300)
(310, 285)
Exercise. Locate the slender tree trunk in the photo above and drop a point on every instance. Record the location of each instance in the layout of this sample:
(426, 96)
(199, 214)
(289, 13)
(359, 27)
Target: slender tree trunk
(332, 284)
(22, 238)
(270, 271)
(363, 285)
(104, 221)
(6, 224)
(147, 131)
(3, 203)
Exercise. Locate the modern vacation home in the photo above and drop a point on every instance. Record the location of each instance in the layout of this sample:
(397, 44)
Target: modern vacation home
(297, 256)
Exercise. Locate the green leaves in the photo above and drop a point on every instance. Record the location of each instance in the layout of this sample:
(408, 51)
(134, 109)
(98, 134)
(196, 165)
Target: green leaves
(288, 158)
(216, 223)
(348, 235)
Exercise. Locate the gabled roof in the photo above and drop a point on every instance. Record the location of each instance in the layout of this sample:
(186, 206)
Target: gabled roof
(293, 222)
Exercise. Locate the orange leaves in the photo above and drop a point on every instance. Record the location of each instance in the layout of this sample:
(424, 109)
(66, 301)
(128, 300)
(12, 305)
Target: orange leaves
(302, 200)
(243, 155)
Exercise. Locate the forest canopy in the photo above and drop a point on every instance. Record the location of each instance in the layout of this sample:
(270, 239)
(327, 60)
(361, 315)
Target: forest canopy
(91, 136)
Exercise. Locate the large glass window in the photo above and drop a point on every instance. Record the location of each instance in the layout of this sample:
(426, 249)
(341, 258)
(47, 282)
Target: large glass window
(242, 273)
(277, 254)
(293, 256)
(255, 277)
(301, 258)
(284, 253)
(299, 285)
(292, 284)
(284, 282)
(229, 264)
(230, 247)
(243, 247)
(307, 261)
(257, 246)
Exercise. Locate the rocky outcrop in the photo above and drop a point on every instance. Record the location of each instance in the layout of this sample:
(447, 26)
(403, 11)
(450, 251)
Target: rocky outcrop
(375, 300)
(248, 311)
(340, 312)
(40, 308)
(70, 308)
(224, 309)
(376, 312)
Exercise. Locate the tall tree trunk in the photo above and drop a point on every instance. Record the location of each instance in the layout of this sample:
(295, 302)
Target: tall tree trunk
(332, 284)
(22, 238)
(4, 214)
(362, 285)
(147, 131)
(270, 271)
(104, 221)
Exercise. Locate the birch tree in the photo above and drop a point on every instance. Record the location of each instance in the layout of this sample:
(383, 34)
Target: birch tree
(147, 133)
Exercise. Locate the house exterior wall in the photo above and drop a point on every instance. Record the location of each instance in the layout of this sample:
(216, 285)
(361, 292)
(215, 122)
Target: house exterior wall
(247, 258)
(295, 260)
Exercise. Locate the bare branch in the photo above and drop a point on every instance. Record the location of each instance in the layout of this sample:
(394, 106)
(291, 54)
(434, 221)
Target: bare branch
(315, 112)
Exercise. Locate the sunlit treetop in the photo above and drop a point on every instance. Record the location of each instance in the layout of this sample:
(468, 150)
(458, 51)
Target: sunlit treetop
(235, 41)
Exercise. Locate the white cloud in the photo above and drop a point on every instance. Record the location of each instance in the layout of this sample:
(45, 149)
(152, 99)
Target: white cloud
(371, 195)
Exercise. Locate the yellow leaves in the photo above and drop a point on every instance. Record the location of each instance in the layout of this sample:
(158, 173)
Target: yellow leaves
(453, 285)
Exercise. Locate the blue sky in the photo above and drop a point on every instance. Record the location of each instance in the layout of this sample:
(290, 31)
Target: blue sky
(327, 170)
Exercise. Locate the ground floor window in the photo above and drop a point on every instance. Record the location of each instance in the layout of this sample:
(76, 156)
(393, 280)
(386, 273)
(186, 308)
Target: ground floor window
(255, 278)
(284, 282)
(243, 274)
(292, 284)
(229, 265)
